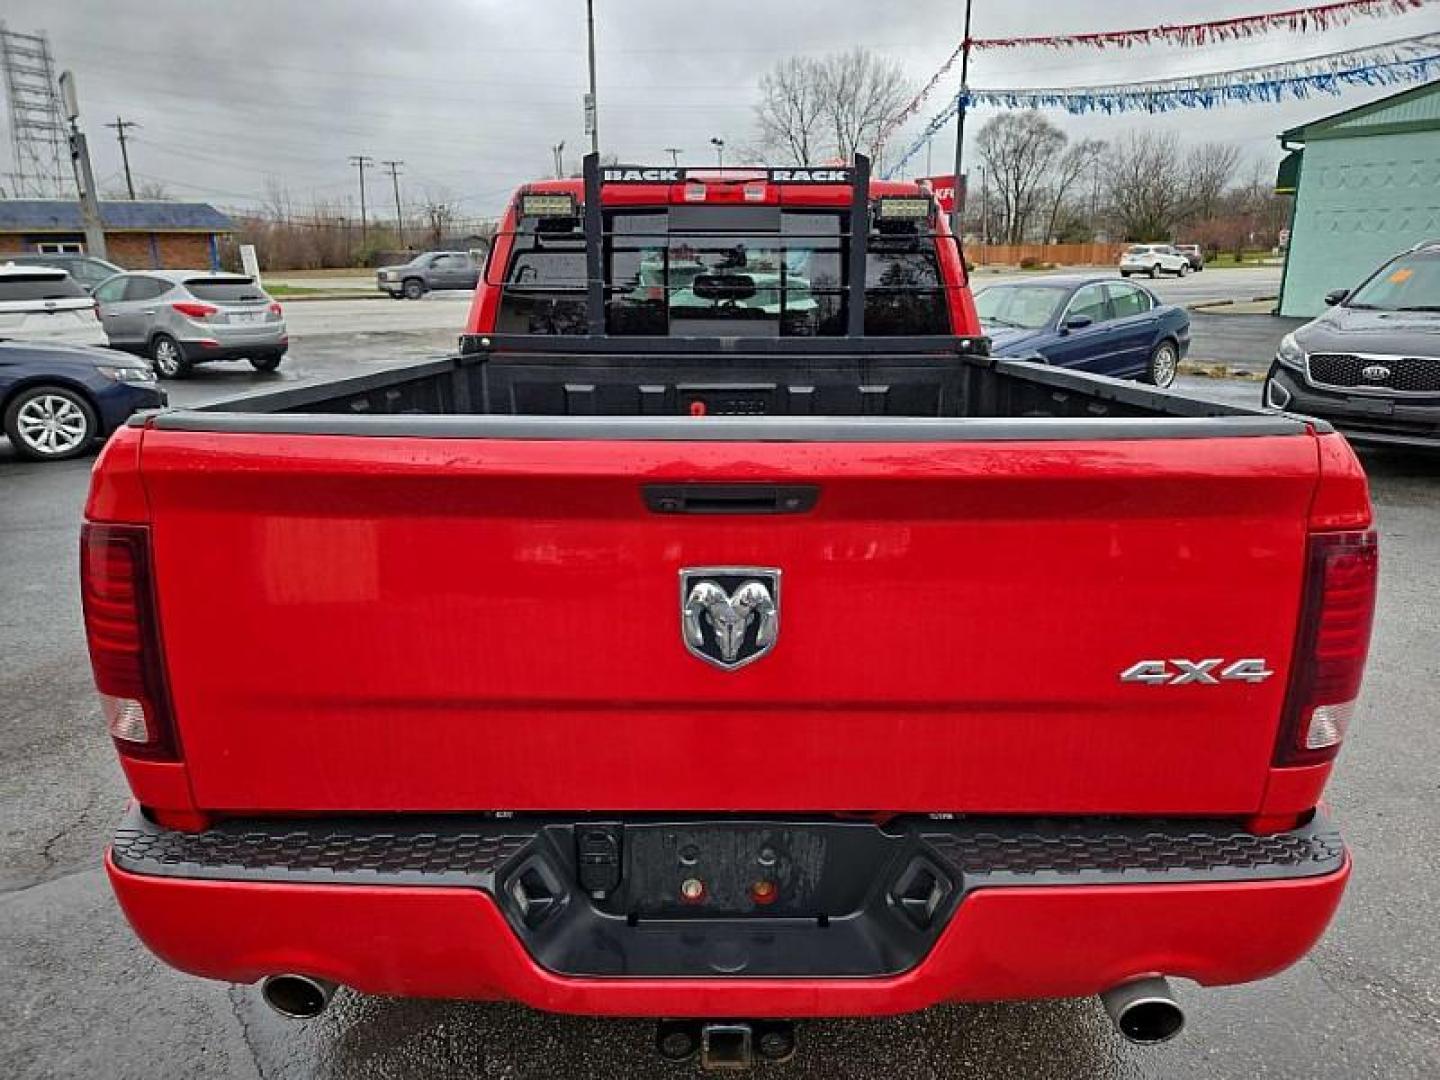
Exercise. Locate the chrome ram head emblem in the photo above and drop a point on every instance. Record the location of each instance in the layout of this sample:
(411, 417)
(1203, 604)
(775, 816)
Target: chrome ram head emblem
(729, 615)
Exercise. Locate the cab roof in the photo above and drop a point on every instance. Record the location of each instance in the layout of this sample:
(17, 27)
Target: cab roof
(728, 185)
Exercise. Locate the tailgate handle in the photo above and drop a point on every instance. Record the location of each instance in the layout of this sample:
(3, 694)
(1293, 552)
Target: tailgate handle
(731, 498)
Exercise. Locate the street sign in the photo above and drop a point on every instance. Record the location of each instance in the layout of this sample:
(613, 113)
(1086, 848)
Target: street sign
(250, 262)
(589, 114)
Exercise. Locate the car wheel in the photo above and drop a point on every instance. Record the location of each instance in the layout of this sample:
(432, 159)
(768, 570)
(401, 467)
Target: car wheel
(50, 423)
(1164, 365)
(267, 361)
(1124, 273)
(1184, 269)
(168, 358)
(414, 288)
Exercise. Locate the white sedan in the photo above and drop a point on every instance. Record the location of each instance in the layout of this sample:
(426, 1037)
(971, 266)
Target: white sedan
(1153, 259)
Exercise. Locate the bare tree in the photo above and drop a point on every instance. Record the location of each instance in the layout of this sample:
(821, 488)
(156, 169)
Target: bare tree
(1018, 150)
(1075, 165)
(861, 92)
(790, 111)
(831, 107)
(1146, 185)
(1210, 170)
(439, 215)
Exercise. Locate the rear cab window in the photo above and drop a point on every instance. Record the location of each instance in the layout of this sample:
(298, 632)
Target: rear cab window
(720, 270)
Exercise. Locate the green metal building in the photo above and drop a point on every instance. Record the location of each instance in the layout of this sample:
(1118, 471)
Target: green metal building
(1367, 186)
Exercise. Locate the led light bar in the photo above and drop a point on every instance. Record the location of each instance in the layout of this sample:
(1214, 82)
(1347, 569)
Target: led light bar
(549, 205)
(902, 208)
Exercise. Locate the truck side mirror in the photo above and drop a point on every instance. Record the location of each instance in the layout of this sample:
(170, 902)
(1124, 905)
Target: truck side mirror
(1336, 296)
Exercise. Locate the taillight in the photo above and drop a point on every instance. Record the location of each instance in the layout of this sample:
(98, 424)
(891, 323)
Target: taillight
(194, 311)
(123, 632)
(1330, 651)
(275, 308)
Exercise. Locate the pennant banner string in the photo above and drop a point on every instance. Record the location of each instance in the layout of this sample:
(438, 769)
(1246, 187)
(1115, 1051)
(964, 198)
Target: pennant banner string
(1414, 61)
(1295, 20)
(1314, 18)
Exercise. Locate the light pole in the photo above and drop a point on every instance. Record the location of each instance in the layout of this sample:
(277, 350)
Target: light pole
(592, 120)
(84, 176)
(674, 152)
(955, 211)
(719, 145)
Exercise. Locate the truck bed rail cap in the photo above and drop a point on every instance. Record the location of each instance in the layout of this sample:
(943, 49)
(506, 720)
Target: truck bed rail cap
(732, 429)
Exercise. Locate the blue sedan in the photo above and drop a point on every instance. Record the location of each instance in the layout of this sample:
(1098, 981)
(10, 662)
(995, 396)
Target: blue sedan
(1098, 324)
(57, 400)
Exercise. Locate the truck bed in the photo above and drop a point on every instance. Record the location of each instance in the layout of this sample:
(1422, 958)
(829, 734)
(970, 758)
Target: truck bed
(936, 378)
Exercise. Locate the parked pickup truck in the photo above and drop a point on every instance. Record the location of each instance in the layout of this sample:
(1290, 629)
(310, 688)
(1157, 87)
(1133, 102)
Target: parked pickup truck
(729, 657)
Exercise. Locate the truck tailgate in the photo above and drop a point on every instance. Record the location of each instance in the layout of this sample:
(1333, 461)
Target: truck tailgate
(395, 623)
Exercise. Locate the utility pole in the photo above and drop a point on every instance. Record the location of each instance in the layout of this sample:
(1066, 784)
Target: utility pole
(120, 125)
(84, 176)
(394, 167)
(719, 145)
(592, 120)
(361, 162)
(674, 152)
(559, 151)
(955, 210)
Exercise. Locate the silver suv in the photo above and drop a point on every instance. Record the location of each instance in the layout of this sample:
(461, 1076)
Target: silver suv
(180, 318)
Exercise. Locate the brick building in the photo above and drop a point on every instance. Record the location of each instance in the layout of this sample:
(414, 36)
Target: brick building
(139, 235)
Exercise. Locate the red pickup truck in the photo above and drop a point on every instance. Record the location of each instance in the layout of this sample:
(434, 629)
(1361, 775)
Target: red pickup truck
(721, 634)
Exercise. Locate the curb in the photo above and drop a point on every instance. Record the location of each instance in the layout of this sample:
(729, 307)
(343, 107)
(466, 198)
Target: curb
(1205, 305)
(334, 295)
(1217, 370)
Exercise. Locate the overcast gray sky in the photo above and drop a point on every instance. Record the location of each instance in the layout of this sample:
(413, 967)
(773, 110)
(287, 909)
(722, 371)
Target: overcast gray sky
(471, 94)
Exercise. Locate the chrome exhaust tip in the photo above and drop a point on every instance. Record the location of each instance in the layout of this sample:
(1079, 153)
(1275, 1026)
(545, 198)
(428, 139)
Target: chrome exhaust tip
(1144, 1011)
(297, 997)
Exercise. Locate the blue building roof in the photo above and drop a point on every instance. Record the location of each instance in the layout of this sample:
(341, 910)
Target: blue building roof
(60, 215)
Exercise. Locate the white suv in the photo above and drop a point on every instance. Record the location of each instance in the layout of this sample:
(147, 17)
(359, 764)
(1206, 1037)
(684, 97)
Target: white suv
(1153, 259)
(41, 303)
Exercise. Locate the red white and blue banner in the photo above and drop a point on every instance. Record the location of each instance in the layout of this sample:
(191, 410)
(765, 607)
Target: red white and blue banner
(1397, 62)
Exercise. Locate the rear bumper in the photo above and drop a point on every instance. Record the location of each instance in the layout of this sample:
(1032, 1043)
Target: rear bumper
(1037, 920)
(1409, 421)
(235, 348)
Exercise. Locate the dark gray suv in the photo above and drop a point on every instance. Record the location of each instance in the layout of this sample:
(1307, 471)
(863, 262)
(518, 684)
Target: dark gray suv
(428, 272)
(87, 270)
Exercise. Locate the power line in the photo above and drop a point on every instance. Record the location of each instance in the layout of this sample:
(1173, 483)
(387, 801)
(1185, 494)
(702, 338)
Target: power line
(394, 167)
(361, 162)
(120, 127)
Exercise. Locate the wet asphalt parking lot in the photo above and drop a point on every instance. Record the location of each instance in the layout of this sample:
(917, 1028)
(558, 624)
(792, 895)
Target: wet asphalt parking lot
(79, 997)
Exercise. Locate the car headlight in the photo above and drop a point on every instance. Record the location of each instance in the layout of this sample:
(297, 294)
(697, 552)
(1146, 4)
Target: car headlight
(127, 374)
(1290, 354)
(388, 275)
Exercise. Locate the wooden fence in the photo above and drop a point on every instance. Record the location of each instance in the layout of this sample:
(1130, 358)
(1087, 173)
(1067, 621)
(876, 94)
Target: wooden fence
(1056, 254)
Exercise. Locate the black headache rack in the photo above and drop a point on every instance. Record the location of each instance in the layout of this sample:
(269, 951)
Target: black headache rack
(605, 301)
(857, 175)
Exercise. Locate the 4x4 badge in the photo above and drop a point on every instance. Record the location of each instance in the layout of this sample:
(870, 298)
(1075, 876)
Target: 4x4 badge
(729, 615)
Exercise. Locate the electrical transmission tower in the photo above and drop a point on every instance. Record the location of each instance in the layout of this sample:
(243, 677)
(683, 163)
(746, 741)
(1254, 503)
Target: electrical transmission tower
(37, 129)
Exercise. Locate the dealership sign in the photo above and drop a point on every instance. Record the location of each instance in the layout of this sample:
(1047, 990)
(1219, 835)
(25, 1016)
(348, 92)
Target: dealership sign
(944, 189)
